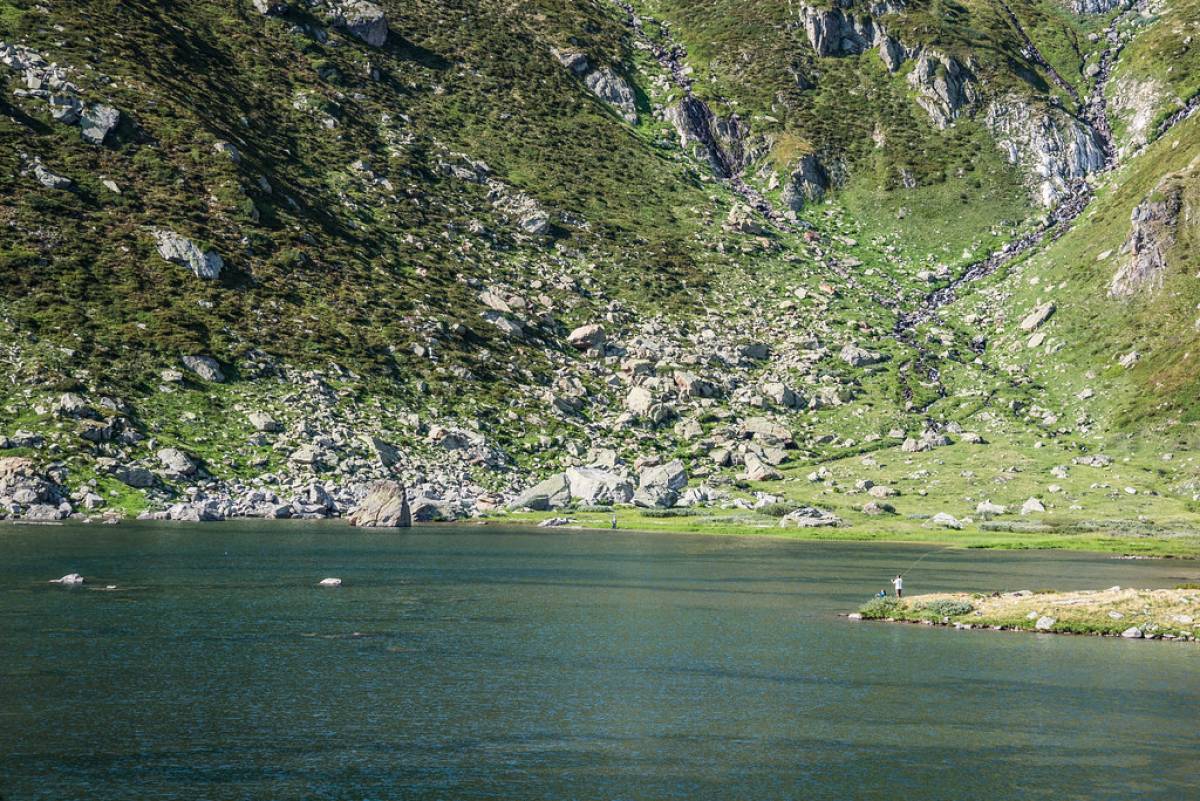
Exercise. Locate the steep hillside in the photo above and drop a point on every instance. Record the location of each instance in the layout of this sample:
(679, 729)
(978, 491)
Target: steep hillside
(259, 254)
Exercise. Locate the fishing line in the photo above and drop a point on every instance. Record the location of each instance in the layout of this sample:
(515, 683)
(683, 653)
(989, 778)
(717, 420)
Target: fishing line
(914, 564)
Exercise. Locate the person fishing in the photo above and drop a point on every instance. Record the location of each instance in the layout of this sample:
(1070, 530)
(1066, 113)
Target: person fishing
(614, 521)
(898, 583)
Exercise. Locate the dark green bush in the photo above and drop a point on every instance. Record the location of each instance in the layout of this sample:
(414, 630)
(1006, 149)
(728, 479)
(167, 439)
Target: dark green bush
(878, 608)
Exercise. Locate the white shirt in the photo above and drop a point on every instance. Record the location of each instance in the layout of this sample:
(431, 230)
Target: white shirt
(898, 583)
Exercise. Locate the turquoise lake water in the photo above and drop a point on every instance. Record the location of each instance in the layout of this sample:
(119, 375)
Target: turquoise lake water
(471, 663)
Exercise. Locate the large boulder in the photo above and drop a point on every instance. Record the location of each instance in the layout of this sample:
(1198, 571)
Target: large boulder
(181, 250)
(1039, 315)
(758, 469)
(553, 493)
(363, 20)
(587, 336)
(590, 486)
(97, 123)
(385, 506)
(855, 356)
(176, 463)
(204, 366)
(660, 485)
(809, 517)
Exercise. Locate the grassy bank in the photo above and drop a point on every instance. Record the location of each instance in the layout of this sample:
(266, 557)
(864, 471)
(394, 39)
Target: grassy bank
(1115, 612)
(1103, 536)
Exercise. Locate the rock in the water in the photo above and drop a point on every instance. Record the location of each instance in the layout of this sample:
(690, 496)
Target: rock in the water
(181, 250)
(329, 582)
(364, 20)
(97, 122)
(385, 506)
(70, 579)
(553, 493)
(1132, 633)
(204, 366)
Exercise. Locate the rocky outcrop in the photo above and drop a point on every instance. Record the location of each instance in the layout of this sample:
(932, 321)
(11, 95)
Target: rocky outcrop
(659, 486)
(53, 84)
(1092, 6)
(1136, 102)
(719, 139)
(180, 250)
(615, 90)
(553, 493)
(363, 20)
(808, 183)
(837, 32)
(385, 506)
(1153, 228)
(603, 82)
(206, 367)
(945, 87)
(592, 486)
(1053, 148)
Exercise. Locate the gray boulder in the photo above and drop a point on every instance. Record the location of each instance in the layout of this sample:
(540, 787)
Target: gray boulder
(264, 422)
(177, 463)
(204, 366)
(553, 493)
(271, 7)
(137, 477)
(97, 122)
(385, 506)
(591, 486)
(759, 470)
(659, 486)
(855, 356)
(180, 250)
(587, 336)
(49, 179)
(363, 20)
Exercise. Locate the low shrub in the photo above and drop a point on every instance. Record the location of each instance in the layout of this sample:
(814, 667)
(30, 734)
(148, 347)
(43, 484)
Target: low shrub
(947, 608)
(878, 608)
(778, 509)
(671, 512)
